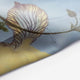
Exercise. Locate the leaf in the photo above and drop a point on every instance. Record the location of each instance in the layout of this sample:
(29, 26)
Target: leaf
(77, 29)
(71, 13)
(2, 27)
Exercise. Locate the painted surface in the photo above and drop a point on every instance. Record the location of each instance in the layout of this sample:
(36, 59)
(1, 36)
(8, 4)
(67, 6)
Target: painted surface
(55, 16)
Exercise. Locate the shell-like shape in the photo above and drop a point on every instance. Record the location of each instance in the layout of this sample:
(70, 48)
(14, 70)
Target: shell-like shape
(27, 16)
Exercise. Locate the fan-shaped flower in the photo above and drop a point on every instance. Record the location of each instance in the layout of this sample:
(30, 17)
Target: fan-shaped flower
(29, 17)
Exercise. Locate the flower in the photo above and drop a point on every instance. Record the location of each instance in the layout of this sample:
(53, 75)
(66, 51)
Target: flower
(27, 16)
(71, 13)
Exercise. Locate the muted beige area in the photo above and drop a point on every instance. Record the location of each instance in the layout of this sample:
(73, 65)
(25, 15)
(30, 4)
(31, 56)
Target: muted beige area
(11, 59)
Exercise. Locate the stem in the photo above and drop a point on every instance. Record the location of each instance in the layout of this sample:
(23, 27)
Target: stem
(76, 21)
(45, 33)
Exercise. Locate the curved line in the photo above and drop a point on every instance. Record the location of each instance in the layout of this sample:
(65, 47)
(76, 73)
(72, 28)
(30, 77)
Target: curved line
(45, 33)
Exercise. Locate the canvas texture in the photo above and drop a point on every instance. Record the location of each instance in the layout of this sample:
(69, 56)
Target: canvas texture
(31, 30)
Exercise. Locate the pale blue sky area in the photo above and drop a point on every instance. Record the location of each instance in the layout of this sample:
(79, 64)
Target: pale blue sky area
(54, 8)
(58, 21)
